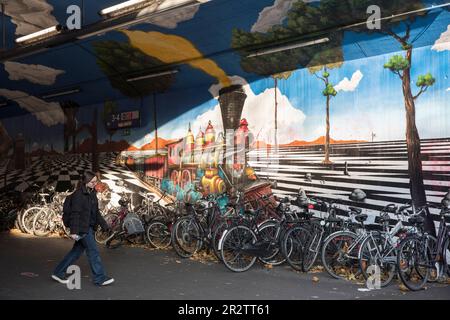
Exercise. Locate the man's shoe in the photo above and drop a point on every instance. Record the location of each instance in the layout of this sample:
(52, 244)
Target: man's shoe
(62, 280)
(107, 281)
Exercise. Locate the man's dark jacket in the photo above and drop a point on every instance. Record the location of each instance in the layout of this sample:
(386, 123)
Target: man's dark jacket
(85, 212)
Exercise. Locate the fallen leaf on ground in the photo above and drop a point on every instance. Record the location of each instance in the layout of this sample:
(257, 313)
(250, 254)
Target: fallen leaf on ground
(29, 274)
(403, 287)
(315, 279)
(316, 269)
(177, 261)
(351, 276)
(268, 266)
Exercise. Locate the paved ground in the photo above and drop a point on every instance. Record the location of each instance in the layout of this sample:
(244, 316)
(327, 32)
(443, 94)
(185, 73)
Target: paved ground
(27, 262)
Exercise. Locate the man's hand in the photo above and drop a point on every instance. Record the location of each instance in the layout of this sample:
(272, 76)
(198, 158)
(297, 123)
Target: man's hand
(75, 237)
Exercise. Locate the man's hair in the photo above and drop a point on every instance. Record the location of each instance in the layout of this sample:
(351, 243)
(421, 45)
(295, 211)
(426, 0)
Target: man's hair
(85, 178)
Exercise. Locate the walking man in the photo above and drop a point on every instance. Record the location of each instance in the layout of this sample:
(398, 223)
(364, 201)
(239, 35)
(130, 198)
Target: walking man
(83, 219)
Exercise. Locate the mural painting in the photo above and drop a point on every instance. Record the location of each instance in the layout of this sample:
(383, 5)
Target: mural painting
(367, 109)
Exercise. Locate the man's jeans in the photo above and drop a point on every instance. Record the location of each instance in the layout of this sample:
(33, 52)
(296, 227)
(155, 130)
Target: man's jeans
(86, 243)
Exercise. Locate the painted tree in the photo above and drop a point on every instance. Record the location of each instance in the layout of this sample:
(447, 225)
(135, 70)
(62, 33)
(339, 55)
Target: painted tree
(121, 61)
(301, 19)
(329, 92)
(70, 109)
(401, 65)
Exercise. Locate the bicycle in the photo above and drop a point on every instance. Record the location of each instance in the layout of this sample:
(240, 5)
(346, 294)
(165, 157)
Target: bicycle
(243, 243)
(123, 225)
(420, 254)
(49, 218)
(379, 248)
(197, 229)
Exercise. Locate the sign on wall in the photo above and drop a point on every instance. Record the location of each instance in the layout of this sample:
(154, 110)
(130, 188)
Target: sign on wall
(123, 120)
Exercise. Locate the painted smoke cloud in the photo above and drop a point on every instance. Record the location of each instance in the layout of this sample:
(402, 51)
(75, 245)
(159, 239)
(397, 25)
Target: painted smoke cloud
(172, 19)
(34, 73)
(49, 113)
(30, 15)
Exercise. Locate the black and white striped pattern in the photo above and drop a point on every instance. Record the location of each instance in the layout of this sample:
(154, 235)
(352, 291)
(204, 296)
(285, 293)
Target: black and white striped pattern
(380, 169)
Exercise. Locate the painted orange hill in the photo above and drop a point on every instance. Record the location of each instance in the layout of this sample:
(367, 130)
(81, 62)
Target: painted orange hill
(296, 143)
(161, 144)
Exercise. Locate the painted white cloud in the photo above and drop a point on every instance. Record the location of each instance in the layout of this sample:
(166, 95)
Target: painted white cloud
(350, 85)
(448, 89)
(30, 15)
(170, 20)
(258, 110)
(49, 113)
(443, 43)
(273, 15)
(34, 73)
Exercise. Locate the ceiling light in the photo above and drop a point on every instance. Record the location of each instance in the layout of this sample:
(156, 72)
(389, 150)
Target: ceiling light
(39, 35)
(152, 75)
(62, 93)
(134, 5)
(288, 47)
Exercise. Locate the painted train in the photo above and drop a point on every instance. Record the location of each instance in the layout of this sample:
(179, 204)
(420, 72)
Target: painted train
(195, 166)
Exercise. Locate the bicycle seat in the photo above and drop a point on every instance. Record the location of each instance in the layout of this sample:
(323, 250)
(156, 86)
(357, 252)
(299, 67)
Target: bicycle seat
(390, 208)
(417, 220)
(361, 217)
(355, 210)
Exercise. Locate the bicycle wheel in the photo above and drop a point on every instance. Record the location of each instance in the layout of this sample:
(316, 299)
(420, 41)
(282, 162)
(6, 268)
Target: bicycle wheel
(376, 251)
(340, 254)
(413, 263)
(41, 223)
(28, 218)
(311, 250)
(186, 238)
(431, 252)
(293, 246)
(233, 245)
(268, 233)
(157, 234)
(116, 241)
(446, 256)
(216, 236)
(113, 222)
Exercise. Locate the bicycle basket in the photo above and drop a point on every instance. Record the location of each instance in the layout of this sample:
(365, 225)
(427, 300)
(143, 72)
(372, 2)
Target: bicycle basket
(133, 224)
